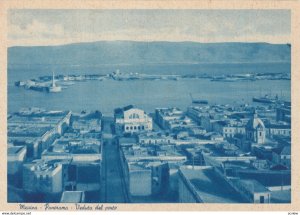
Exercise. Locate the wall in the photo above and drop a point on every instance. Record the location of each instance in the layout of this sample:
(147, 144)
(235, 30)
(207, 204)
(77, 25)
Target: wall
(258, 195)
(57, 180)
(140, 182)
(186, 191)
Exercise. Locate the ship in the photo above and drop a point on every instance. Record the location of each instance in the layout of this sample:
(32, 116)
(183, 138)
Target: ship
(198, 101)
(265, 99)
(53, 88)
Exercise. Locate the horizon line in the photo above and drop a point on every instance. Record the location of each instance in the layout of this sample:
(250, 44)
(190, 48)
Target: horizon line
(149, 41)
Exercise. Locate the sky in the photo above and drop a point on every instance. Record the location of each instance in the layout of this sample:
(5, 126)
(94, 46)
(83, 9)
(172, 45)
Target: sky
(57, 27)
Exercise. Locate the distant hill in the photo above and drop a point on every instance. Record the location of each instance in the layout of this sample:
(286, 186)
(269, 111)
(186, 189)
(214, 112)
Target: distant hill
(129, 52)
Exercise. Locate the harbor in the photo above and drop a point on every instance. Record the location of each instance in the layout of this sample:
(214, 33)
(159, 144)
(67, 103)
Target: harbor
(59, 82)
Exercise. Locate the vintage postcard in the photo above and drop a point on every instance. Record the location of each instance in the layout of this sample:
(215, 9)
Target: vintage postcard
(149, 105)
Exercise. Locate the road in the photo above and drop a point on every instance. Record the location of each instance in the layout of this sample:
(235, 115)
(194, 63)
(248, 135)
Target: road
(112, 178)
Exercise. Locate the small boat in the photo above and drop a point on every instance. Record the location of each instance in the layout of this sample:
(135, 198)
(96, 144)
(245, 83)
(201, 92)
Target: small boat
(198, 101)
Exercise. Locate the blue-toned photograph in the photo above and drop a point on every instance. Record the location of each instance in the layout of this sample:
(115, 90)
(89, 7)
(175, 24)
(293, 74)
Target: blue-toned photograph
(149, 106)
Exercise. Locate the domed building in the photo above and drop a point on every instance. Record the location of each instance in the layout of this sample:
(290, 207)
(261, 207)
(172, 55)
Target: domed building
(255, 130)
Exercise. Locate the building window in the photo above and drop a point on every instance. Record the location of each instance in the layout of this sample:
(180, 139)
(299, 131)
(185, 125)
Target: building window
(139, 127)
(262, 199)
(130, 127)
(134, 127)
(127, 128)
(143, 127)
(134, 116)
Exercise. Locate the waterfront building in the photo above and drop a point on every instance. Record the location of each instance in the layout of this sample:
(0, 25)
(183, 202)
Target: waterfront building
(283, 113)
(164, 116)
(195, 112)
(131, 120)
(36, 129)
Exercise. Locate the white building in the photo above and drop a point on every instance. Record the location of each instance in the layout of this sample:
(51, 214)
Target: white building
(278, 130)
(15, 158)
(131, 120)
(42, 176)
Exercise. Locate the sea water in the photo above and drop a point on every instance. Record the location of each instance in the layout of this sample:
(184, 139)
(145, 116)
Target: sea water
(146, 94)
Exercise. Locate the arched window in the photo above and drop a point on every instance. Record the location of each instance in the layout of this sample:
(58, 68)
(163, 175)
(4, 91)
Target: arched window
(134, 116)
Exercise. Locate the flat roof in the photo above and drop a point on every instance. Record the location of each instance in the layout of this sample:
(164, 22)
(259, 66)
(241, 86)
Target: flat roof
(123, 140)
(41, 166)
(36, 119)
(254, 186)
(32, 130)
(210, 187)
(76, 146)
(134, 166)
(14, 150)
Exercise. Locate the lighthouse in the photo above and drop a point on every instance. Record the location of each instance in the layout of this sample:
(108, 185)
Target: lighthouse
(53, 88)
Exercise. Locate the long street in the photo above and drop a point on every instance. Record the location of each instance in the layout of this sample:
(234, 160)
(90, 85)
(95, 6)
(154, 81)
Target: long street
(113, 186)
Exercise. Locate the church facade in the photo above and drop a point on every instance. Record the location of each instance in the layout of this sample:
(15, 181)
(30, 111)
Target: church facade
(256, 130)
